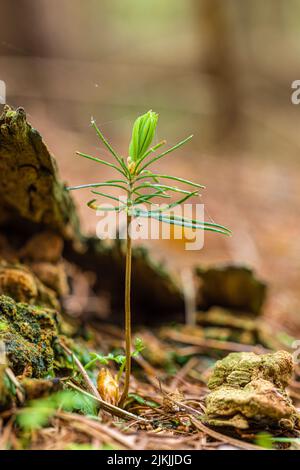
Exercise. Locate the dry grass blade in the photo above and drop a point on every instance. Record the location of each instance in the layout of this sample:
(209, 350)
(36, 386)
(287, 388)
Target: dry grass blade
(128, 441)
(226, 439)
(183, 372)
(14, 380)
(112, 409)
(85, 376)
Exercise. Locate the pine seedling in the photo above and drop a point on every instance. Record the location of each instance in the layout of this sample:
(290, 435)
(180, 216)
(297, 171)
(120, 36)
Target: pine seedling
(136, 178)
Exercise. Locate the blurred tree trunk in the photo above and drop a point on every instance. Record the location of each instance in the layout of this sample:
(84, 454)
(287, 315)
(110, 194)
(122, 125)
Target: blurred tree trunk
(220, 62)
(21, 29)
(22, 34)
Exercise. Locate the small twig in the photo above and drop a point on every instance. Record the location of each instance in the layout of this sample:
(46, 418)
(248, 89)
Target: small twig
(14, 380)
(223, 438)
(183, 372)
(112, 409)
(183, 405)
(127, 441)
(85, 376)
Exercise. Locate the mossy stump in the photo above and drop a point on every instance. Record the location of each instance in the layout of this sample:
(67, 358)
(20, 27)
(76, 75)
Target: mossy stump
(248, 391)
(29, 334)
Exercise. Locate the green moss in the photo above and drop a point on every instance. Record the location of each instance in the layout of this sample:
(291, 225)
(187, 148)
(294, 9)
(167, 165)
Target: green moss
(29, 337)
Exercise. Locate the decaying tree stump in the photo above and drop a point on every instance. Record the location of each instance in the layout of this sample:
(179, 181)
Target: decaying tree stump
(40, 231)
(31, 195)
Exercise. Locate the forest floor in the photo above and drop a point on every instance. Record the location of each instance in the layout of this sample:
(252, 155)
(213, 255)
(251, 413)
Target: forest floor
(170, 394)
(259, 200)
(166, 404)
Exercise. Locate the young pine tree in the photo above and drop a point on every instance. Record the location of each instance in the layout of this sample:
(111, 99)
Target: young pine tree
(135, 178)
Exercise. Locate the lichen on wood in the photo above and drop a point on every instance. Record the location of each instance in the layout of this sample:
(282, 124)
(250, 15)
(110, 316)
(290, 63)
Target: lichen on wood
(248, 390)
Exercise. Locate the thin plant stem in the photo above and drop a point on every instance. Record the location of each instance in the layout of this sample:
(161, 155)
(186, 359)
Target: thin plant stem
(127, 313)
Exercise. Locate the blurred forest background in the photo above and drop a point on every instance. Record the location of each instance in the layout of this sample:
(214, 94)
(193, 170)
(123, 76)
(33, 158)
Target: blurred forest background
(221, 70)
